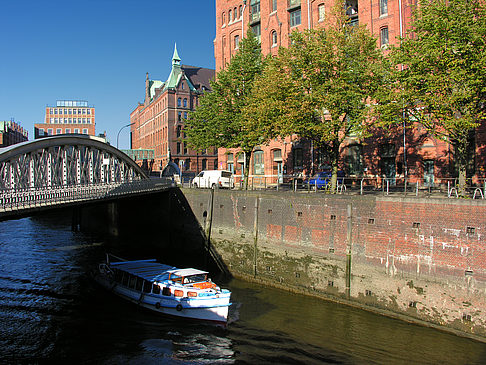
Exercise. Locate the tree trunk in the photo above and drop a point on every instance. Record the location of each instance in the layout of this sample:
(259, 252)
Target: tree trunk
(461, 148)
(461, 189)
(247, 169)
(334, 166)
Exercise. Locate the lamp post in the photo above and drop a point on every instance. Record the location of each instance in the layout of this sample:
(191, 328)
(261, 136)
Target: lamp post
(118, 135)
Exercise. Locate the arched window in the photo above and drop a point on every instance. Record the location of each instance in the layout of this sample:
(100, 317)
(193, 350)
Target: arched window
(274, 38)
(179, 102)
(223, 19)
(235, 13)
(240, 10)
(258, 164)
(321, 10)
(185, 103)
(229, 16)
(384, 37)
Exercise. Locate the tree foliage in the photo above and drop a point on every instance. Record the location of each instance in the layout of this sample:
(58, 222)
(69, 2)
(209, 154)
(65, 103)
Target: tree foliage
(219, 120)
(319, 88)
(441, 72)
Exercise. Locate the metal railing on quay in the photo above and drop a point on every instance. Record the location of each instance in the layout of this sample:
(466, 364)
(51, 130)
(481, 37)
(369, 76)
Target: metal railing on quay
(26, 198)
(357, 185)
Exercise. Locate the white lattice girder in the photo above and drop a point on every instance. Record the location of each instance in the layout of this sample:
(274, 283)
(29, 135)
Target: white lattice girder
(65, 161)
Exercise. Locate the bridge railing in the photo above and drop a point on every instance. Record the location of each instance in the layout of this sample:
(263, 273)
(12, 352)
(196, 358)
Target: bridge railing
(17, 199)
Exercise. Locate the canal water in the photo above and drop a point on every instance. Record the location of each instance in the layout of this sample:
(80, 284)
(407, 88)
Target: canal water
(51, 312)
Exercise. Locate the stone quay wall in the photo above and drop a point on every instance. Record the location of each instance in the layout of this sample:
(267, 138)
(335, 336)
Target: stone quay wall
(422, 260)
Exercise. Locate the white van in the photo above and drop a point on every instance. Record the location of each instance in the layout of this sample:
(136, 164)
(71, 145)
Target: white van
(213, 179)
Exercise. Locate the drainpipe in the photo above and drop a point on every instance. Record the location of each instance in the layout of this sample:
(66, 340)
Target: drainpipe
(400, 14)
(243, 20)
(405, 172)
(308, 13)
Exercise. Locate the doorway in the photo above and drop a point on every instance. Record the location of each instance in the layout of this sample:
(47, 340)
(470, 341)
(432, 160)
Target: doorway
(429, 173)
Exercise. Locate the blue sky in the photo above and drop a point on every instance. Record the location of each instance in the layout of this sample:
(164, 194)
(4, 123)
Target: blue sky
(95, 50)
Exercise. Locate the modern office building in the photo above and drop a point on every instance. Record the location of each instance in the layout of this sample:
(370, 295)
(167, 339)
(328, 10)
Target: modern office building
(12, 133)
(412, 153)
(158, 123)
(67, 116)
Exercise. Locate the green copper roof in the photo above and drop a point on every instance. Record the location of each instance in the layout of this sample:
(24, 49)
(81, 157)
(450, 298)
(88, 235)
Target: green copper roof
(175, 57)
(154, 84)
(176, 73)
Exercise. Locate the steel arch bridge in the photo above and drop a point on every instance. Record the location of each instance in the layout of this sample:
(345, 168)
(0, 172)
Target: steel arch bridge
(64, 161)
(65, 169)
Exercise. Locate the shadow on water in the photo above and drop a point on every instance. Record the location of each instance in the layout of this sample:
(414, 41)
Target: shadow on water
(161, 226)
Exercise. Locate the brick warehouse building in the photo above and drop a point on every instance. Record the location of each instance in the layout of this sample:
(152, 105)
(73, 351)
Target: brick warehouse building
(68, 116)
(12, 133)
(426, 159)
(158, 122)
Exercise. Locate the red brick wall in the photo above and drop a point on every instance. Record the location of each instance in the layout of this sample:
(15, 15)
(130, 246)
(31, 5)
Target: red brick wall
(420, 258)
(279, 21)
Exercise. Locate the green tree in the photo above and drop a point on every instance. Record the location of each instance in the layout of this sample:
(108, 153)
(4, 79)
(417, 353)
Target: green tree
(319, 88)
(441, 78)
(219, 119)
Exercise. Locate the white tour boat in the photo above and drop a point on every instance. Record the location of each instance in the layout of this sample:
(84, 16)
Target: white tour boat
(187, 293)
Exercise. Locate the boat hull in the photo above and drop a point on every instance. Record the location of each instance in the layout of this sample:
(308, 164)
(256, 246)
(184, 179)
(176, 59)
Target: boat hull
(209, 310)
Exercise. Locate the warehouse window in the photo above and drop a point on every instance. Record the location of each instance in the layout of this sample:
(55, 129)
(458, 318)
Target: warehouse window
(295, 18)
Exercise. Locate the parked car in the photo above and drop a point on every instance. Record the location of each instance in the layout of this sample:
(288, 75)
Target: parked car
(214, 179)
(322, 179)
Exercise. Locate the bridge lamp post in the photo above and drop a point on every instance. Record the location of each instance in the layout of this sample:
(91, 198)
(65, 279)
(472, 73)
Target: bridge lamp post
(118, 135)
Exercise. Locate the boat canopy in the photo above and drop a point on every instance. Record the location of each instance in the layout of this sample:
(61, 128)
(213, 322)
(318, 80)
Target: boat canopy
(146, 269)
(186, 272)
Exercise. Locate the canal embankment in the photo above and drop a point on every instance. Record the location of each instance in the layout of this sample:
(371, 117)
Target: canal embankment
(422, 260)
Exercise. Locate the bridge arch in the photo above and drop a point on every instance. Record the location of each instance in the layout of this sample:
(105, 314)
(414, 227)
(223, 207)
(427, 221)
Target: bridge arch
(65, 160)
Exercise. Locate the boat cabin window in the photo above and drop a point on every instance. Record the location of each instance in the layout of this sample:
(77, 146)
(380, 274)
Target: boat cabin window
(125, 279)
(195, 278)
(139, 284)
(132, 281)
(176, 279)
(147, 286)
(166, 291)
(118, 275)
(156, 289)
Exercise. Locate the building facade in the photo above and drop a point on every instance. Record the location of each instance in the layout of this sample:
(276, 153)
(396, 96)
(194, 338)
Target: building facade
(405, 153)
(67, 116)
(12, 133)
(158, 123)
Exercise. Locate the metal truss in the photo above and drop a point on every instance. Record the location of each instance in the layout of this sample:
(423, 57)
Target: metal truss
(65, 161)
